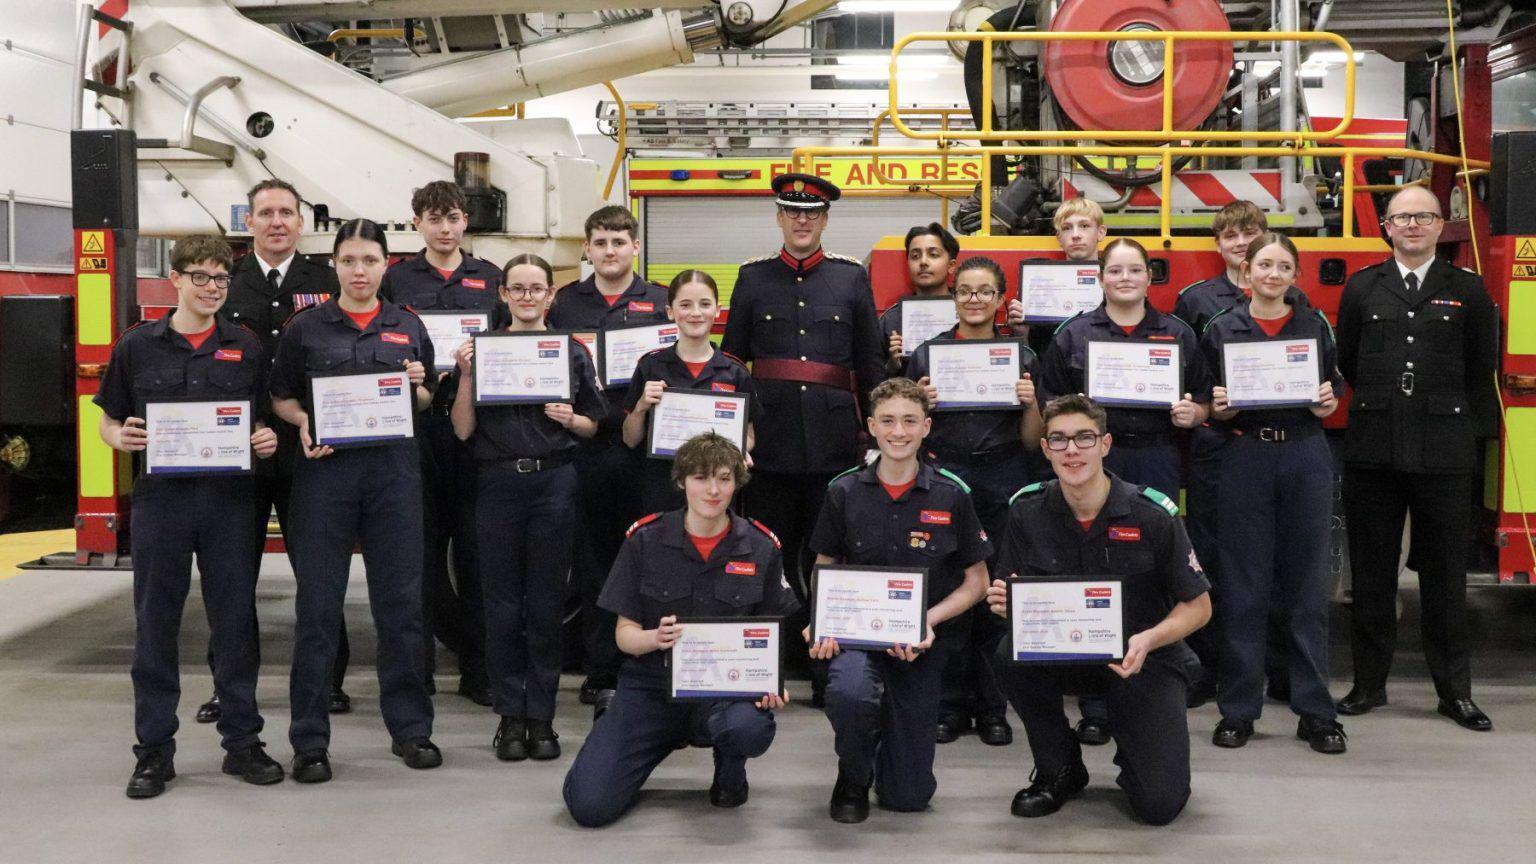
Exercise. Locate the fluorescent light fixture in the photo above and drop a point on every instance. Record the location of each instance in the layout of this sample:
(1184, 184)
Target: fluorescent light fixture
(897, 5)
(906, 61)
(1322, 57)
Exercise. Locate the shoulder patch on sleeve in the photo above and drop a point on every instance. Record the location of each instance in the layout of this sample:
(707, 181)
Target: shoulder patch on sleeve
(1160, 500)
(771, 536)
(958, 482)
(1029, 491)
(641, 523)
(852, 470)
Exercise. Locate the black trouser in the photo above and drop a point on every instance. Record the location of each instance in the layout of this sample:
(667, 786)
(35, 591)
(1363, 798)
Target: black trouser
(173, 520)
(608, 476)
(372, 496)
(1375, 503)
(789, 505)
(272, 489)
(1146, 716)
(451, 598)
(526, 534)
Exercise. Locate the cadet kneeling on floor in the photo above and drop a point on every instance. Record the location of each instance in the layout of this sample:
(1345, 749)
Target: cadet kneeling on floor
(1089, 522)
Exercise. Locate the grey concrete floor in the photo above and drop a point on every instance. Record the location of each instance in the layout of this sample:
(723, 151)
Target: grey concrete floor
(1413, 786)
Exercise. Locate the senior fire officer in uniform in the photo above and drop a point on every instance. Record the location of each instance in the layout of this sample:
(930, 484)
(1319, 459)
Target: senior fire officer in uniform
(266, 287)
(1418, 343)
(806, 321)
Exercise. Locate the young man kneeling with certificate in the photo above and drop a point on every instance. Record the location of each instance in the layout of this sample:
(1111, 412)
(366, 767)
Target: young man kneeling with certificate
(1089, 523)
(701, 561)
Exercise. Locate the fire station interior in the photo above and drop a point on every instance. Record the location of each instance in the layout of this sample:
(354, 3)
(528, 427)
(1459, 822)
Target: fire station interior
(132, 123)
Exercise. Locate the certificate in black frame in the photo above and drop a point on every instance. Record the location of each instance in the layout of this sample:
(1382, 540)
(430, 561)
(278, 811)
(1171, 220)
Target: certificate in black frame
(1066, 659)
(371, 441)
(570, 384)
(250, 455)
(919, 596)
(1072, 310)
(1176, 355)
(1317, 364)
(442, 360)
(742, 696)
(968, 344)
(908, 346)
(602, 350)
(743, 412)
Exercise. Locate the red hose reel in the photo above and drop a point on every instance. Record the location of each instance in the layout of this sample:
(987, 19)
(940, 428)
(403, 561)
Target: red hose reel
(1119, 85)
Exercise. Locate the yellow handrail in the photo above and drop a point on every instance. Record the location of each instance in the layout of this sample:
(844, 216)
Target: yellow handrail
(935, 186)
(1169, 40)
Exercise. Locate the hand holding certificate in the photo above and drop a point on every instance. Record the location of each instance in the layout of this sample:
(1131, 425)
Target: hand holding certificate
(683, 414)
(197, 437)
(1135, 374)
(726, 659)
(522, 368)
(1066, 620)
(451, 328)
(622, 347)
(923, 318)
(1271, 373)
(869, 608)
(361, 410)
(1052, 291)
(975, 374)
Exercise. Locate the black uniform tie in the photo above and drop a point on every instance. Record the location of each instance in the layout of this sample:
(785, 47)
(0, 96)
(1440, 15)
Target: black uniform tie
(1412, 280)
(273, 278)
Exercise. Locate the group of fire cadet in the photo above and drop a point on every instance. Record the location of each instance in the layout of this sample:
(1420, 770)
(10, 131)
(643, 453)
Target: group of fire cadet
(1414, 343)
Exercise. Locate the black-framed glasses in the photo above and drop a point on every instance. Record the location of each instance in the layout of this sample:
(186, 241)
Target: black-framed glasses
(1402, 220)
(529, 291)
(200, 278)
(802, 214)
(1084, 440)
(985, 295)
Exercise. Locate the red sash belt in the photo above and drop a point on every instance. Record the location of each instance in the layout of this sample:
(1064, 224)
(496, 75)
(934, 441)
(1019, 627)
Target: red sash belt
(805, 372)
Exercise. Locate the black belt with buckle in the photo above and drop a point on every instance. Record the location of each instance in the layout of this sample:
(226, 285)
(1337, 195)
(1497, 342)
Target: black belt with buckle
(533, 466)
(1277, 434)
(1405, 383)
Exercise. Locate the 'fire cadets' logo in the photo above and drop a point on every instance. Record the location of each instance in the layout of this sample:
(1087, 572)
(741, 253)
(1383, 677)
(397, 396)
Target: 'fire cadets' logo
(228, 415)
(390, 386)
(999, 356)
(1087, 277)
(721, 387)
(725, 410)
(1097, 598)
(934, 517)
(982, 534)
(741, 568)
(666, 335)
(1117, 533)
(549, 349)
(234, 354)
(396, 338)
(477, 284)
(1296, 353)
(469, 325)
(1194, 562)
(641, 306)
(899, 589)
(1159, 356)
(755, 637)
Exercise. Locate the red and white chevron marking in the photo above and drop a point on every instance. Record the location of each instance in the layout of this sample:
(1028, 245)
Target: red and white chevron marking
(1192, 190)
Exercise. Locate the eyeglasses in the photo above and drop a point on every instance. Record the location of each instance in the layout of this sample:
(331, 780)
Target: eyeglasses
(797, 215)
(1402, 220)
(529, 291)
(199, 278)
(985, 295)
(1084, 440)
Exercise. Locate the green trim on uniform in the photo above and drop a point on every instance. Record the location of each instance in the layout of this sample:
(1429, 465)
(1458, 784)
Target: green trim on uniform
(1066, 322)
(958, 482)
(855, 469)
(1191, 285)
(1160, 500)
(1326, 323)
(1031, 489)
(1213, 319)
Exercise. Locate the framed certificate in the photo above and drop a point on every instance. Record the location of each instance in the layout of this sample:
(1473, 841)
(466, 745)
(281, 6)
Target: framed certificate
(1066, 620)
(589, 339)
(726, 658)
(449, 329)
(869, 608)
(976, 374)
(622, 347)
(682, 414)
(1271, 373)
(522, 368)
(1054, 291)
(923, 318)
(361, 410)
(197, 437)
(1135, 374)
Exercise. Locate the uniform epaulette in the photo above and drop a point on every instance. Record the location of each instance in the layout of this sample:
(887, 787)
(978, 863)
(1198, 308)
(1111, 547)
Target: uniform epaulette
(771, 536)
(641, 523)
(734, 357)
(1029, 491)
(133, 327)
(855, 469)
(297, 313)
(844, 258)
(1160, 500)
(1066, 322)
(414, 313)
(958, 482)
(761, 258)
(1189, 286)
(1214, 317)
(1181, 321)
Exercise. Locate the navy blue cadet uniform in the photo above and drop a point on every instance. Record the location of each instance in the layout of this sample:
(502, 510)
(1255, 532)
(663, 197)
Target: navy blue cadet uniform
(175, 518)
(984, 449)
(607, 471)
(1276, 488)
(1422, 366)
(1138, 537)
(263, 299)
(453, 613)
(883, 710)
(659, 573)
(808, 328)
(722, 373)
(525, 497)
(1198, 303)
(370, 495)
